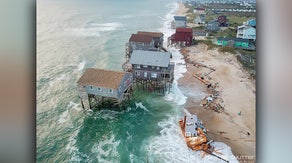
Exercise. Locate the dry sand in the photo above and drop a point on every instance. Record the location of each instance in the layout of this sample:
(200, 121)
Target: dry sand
(237, 94)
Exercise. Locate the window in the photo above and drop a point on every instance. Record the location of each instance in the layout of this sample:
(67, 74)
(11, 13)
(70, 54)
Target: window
(98, 88)
(91, 87)
(145, 66)
(188, 134)
(111, 91)
(137, 66)
(137, 73)
(158, 68)
(145, 74)
(153, 75)
(153, 67)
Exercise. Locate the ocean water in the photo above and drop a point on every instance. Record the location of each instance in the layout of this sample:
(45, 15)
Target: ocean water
(75, 35)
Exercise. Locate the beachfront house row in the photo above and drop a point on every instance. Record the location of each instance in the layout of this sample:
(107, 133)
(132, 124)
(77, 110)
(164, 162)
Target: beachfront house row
(246, 32)
(104, 83)
(180, 21)
(213, 26)
(182, 36)
(139, 42)
(157, 37)
(152, 65)
(200, 19)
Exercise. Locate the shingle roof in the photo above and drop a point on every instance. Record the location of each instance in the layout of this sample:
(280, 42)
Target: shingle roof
(191, 124)
(180, 18)
(202, 17)
(140, 38)
(101, 78)
(150, 58)
(240, 40)
(199, 32)
(224, 38)
(213, 22)
(152, 34)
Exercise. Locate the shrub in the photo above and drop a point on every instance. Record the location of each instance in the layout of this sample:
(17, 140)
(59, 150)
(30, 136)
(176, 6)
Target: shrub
(227, 49)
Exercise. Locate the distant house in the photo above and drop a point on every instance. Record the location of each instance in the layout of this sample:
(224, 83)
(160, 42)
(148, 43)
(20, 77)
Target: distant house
(139, 42)
(243, 44)
(251, 22)
(105, 83)
(199, 10)
(224, 41)
(222, 20)
(200, 19)
(199, 34)
(246, 32)
(157, 37)
(213, 26)
(180, 21)
(182, 36)
(152, 65)
(235, 42)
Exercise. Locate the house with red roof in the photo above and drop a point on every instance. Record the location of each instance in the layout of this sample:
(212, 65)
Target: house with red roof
(182, 36)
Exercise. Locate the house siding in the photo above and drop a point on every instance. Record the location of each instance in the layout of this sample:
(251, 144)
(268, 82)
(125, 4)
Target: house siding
(246, 33)
(124, 85)
(102, 92)
(139, 73)
(141, 45)
(180, 23)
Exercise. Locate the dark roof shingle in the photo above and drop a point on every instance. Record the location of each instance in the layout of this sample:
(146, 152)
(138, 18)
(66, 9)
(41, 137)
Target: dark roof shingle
(140, 38)
(184, 30)
(152, 34)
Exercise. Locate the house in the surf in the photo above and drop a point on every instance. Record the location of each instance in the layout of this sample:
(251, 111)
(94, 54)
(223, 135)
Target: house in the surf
(182, 37)
(157, 37)
(152, 65)
(99, 84)
(180, 21)
(139, 42)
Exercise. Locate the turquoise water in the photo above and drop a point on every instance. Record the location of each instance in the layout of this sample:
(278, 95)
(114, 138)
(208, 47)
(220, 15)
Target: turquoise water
(75, 35)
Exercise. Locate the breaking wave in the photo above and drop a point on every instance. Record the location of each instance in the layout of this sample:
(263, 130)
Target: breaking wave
(94, 29)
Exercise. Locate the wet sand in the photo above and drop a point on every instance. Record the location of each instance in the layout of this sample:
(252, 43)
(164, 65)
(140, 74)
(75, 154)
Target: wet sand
(236, 94)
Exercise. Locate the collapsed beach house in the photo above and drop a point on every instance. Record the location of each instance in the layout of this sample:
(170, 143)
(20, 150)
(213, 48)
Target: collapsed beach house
(98, 85)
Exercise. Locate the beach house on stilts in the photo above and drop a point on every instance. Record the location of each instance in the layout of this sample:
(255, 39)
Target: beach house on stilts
(98, 85)
(152, 70)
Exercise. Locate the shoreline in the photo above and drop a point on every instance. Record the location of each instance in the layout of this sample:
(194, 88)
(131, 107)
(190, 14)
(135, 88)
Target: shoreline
(236, 94)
